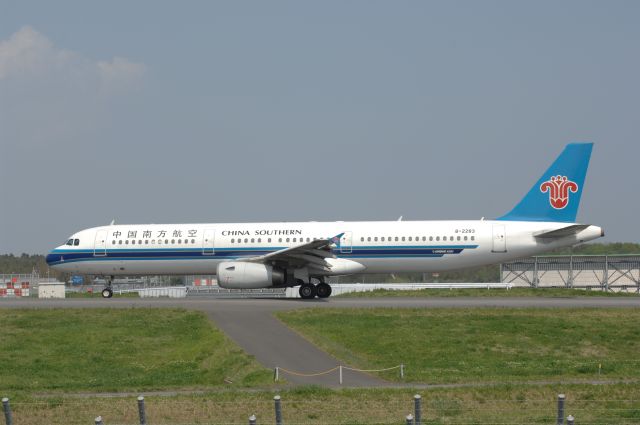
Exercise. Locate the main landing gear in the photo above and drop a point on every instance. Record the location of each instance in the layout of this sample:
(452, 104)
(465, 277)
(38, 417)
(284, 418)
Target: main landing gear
(108, 292)
(309, 291)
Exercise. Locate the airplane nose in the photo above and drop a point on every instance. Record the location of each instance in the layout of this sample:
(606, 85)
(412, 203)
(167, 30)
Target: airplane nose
(52, 258)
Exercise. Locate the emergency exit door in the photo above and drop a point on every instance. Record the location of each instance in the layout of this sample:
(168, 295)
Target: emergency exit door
(208, 242)
(346, 242)
(499, 238)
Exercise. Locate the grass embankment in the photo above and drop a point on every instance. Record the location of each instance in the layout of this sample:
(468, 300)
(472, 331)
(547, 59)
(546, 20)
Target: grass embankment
(117, 350)
(479, 345)
(589, 404)
(476, 292)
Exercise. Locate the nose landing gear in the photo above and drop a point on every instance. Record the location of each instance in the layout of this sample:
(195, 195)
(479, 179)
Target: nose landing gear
(108, 292)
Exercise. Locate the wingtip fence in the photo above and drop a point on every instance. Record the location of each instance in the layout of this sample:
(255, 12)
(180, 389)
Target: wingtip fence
(277, 371)
(414, 418)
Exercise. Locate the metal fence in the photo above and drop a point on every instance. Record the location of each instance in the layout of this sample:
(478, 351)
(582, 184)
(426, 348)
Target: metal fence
(600, 272)
(418, 413)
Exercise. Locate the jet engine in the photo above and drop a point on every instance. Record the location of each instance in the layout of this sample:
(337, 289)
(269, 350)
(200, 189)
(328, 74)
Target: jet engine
(244, 275)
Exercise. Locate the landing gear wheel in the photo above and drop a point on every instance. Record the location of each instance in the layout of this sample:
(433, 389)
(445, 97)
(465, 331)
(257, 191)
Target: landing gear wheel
(107, 293)
(307, 291)
(323, 290)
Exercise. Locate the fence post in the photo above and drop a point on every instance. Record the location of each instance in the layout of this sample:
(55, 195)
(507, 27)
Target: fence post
(276, 374)
(417, 401)
(340, 368)
(560, 420)
(409, 419)
(401, 371)
(141, 411)
(570, 420)
(252, 420)
(278, 407)
(7, 411)
(98, 420)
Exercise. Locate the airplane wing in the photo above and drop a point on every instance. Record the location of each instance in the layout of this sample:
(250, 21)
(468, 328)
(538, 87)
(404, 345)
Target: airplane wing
(311, 253)
(562, 232)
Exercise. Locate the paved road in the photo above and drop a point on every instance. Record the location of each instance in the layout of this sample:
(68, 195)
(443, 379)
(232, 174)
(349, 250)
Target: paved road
(251, 324)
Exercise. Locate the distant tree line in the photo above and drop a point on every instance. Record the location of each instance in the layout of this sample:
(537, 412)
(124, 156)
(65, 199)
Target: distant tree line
(26, 264)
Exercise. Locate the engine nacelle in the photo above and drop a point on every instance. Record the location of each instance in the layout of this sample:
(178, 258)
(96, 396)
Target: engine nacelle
(244, 275)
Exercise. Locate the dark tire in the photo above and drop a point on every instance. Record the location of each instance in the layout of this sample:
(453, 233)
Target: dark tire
(307, 291)
(323, 290)
(107, 293)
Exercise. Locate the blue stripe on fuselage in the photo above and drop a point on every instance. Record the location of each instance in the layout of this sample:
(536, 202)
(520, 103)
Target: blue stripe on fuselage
(59, 256)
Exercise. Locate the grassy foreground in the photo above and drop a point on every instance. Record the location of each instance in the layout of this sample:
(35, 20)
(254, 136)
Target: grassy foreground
(479, 345)
(117, 350)
(589, 404)
(478, 292)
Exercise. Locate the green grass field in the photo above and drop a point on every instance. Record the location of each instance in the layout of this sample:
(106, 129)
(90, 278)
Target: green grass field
(117, 350)
(479, 345)
(473, 292)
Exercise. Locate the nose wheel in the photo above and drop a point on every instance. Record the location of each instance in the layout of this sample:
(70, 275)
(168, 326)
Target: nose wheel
(108, 292)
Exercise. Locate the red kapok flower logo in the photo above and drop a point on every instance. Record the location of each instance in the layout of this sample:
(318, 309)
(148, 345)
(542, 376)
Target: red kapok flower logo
(559, 188)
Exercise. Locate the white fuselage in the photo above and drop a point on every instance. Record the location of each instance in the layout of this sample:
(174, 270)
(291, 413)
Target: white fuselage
(380, 247)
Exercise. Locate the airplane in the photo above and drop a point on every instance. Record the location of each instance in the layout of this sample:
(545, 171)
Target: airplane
(304, 254)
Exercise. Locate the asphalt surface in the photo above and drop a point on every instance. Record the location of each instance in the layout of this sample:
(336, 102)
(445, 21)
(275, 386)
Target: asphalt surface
(252, 325)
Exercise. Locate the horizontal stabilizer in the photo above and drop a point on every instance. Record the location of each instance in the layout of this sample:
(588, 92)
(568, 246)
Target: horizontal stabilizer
(562, 232)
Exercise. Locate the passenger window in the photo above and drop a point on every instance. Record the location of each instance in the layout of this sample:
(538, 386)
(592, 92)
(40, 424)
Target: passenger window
(382, 239)
(233, 240)
(308, 239)
(430, 238)
(126, 242)
(279, 239)
(362, 239)
(153, 242)
(269, 240)
(396, 239)
(253, 240)
(369, 239)
(146, 242)
(375, 239)
(193, 241)
(409, 238)
(437, 238)
(458, 237)
(473, 238)
(179, 241)
(465, 238)
(173, 241)
(120, 242)
(403, 239)
(444, 238)
(287, 239)
(113, 242)
(294, 239)
(133, 242)
(259, 240)
(139, 242)
(166, 241)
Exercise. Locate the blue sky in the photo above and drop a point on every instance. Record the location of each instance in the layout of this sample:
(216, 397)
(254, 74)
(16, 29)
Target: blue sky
(258, 111)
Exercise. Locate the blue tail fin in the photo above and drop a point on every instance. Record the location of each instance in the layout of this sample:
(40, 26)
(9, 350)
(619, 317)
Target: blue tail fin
(556, 196)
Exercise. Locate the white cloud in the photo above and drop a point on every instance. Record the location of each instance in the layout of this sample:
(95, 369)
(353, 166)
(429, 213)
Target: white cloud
(28, 54)
(54, 96)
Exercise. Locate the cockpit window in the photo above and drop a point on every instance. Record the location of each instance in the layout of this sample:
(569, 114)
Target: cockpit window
(76, 242)
(70, 242)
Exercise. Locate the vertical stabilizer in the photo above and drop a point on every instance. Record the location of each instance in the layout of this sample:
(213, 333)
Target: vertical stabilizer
(556, 195)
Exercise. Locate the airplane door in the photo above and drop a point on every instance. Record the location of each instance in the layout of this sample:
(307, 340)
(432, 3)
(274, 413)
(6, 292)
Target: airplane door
(499, 238)
(208, 241)
(100, 244)
(346, 242)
